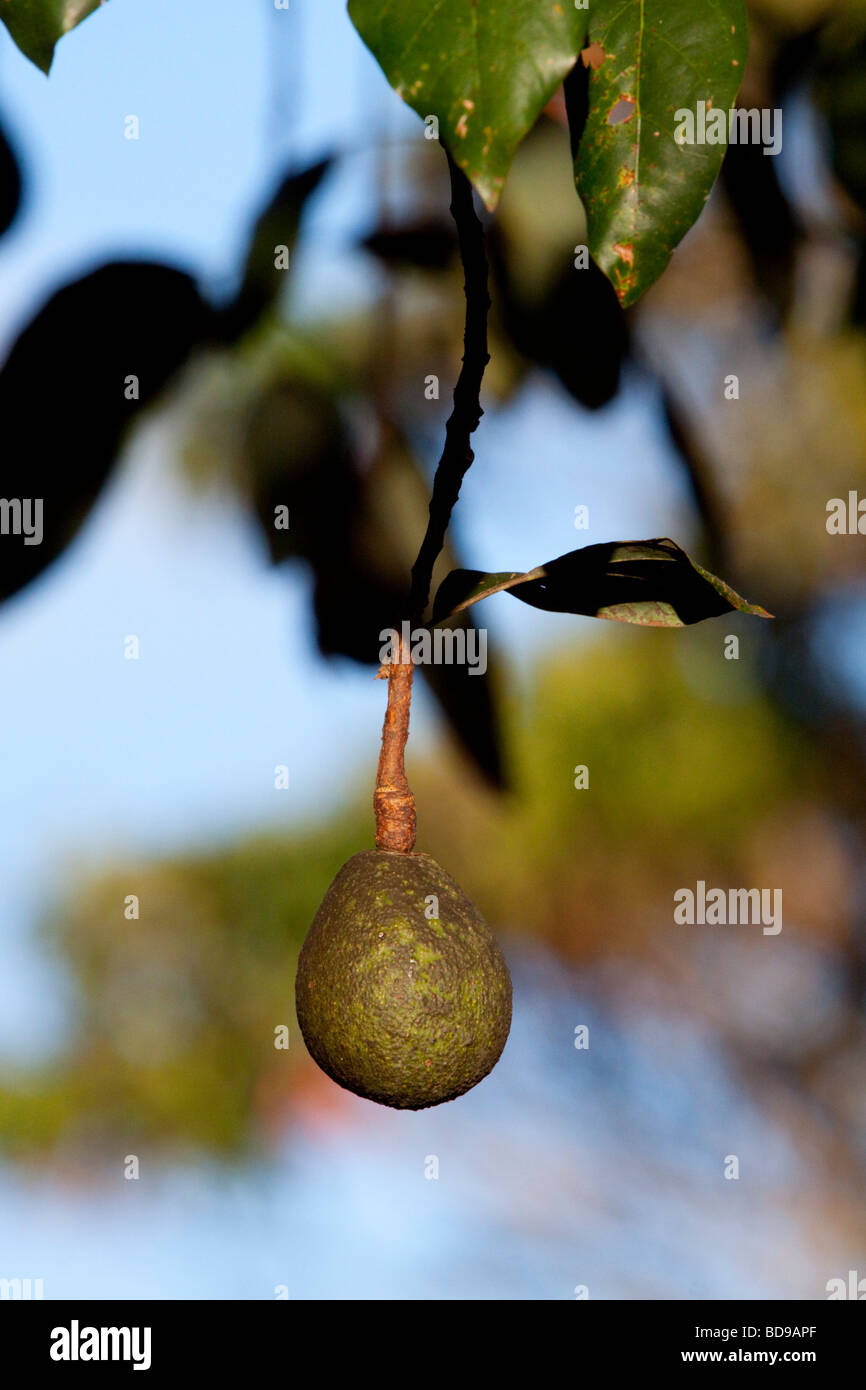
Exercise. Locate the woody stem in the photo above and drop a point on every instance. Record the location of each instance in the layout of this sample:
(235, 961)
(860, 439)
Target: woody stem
(393, 802)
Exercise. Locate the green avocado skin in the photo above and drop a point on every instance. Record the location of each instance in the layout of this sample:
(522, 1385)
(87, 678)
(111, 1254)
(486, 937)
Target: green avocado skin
(399, 1007)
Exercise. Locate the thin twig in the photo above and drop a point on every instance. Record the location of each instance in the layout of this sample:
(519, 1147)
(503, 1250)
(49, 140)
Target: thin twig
(457, 454)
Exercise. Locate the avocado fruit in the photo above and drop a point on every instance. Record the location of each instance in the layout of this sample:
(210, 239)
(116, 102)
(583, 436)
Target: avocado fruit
(402, 994)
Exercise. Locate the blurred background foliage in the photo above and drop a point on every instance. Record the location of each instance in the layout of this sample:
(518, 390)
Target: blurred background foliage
(175, 1040)
(741, 773)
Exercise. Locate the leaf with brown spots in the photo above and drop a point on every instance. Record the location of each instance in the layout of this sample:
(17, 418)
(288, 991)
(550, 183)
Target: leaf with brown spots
(641, 189)
(485, 69)
(593, 56)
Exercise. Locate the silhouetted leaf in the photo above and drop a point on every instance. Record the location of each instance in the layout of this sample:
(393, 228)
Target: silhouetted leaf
(468, 702)
(486, 70)
(769, 227)
(10, 184)
(36, 25)
(276, 228)
(641, 189)
(299, 457)
(461, 588)
(652, 583)
(577, 328)
(430, 245)
(64, 389)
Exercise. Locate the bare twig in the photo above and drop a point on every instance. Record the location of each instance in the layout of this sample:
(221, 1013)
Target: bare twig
(457, 454)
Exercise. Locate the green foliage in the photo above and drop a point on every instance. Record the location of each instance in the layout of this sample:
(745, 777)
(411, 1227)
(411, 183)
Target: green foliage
(175, 1035)
(486, 70)
(37, 25)
(687, 762)
(640, 188)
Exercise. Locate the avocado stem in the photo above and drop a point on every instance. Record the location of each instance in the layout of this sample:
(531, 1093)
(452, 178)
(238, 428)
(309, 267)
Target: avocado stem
(393, 802)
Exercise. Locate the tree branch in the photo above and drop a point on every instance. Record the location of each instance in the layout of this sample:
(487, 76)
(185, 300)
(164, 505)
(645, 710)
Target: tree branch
(457, 453)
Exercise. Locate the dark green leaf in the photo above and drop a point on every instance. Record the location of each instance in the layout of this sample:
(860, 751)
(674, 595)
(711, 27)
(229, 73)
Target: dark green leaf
(485, 68)
(641, 189)
(36, 25)
(652, 583)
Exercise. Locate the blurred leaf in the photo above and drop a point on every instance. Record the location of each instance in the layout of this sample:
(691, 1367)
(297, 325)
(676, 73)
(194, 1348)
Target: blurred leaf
(36, 25)
(299, 456)
(355, 527)
(577, 328)
(63, 395)
(557, 316)
(769, 228)
(841, 94)
(10, 184)
(485, 70)
(428, 245)
(640, 188)
(275, 228)
(799, 432)
(469, 703)
(652, 583)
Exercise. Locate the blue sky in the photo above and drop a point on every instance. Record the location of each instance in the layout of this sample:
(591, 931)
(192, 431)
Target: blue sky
(104, 757)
